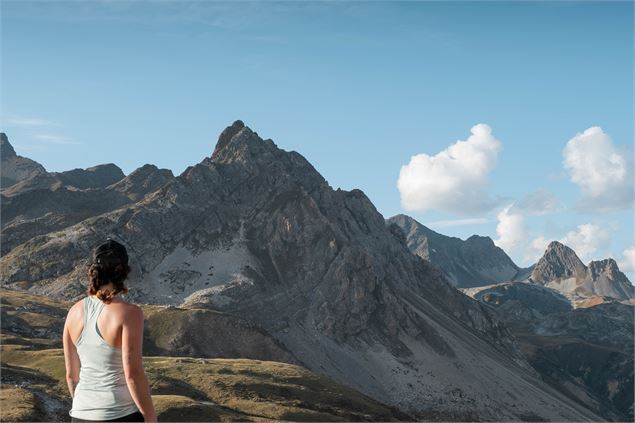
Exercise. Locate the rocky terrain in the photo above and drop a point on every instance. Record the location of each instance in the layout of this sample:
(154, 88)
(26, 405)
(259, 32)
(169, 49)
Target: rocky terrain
(14, 168)
(561, 269)
(574, 323)
(586, 353)
(33, 385)
(43, 202)
(473, 262)
(256, 232)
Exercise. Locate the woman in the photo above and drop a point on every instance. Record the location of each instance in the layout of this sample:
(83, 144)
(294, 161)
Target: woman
(102, 346)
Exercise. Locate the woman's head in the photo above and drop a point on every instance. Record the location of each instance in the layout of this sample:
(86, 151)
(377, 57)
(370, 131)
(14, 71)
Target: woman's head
(109, 265)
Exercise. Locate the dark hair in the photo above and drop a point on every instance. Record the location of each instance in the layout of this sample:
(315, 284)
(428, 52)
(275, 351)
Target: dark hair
(109, 264)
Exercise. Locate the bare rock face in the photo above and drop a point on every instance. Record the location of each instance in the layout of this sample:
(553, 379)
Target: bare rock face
(586, 353)
(470, 263)
(93, 177)
(561, 269)
(44, 203)
(256, 232)
(558, 262)
(14, 168)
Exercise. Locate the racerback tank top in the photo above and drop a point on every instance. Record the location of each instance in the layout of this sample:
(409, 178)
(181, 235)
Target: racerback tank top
(102, 393)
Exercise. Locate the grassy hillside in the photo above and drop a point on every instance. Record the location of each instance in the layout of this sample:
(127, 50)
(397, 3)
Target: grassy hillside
(184, 388)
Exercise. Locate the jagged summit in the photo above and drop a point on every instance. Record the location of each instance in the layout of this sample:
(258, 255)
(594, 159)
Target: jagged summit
(558, 262)
(6, 149)
(15, 168)
(228, 133)
(561, 269)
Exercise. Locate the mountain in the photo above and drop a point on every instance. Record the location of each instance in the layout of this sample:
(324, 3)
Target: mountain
(255, 231)
(473, 262)
(586, 353)
(14, 168)
(561, 269)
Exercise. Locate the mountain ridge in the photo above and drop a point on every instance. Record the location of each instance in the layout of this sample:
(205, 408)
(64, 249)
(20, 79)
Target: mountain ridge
(256, 231)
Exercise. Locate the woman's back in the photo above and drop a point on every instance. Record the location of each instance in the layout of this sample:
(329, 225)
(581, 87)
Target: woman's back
(102, 392)
(103, 342)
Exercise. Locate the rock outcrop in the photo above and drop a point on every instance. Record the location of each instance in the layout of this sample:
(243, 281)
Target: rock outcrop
(561, 269)
(44, 203)
(14, 168)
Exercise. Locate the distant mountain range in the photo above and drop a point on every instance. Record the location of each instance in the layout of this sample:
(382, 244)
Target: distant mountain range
(473, 262)
(256, 232)
(477, 262)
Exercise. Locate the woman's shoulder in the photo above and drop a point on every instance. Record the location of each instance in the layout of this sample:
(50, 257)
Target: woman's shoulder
(129, 309)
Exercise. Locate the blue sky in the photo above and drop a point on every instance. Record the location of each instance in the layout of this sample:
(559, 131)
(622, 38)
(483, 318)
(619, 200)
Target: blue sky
(358, 88)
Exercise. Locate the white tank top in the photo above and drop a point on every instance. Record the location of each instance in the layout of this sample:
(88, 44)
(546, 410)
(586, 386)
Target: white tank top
(102, 393)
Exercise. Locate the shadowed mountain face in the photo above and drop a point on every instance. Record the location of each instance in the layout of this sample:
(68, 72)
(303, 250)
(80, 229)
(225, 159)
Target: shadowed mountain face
(586, 353)
(43, 202)
(561, 269)
(14, 168)
(473, 262)
(256, 232)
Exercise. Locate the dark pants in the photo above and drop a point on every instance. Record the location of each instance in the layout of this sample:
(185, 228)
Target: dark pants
(134, 417)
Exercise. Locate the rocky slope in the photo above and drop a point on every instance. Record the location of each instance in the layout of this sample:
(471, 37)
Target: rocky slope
(44, 202)
(192, 388)
(586, 353)
(14, 168)
(473, 262)
(561, 269)
(257, 232)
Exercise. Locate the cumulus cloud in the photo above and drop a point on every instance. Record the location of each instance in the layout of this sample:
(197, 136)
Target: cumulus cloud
(603, 173)
(539, 202)
(587, 238)
(511, 230)
(454, 180)
(627, 264)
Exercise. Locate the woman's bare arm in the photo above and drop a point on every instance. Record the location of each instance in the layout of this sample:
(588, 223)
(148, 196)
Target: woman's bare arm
(131, 345)
(71, 358)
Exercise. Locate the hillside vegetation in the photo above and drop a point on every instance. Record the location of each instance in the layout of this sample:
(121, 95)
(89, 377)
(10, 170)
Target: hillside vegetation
(184, 388)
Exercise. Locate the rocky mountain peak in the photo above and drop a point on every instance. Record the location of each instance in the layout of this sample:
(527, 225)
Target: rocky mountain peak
(6, 149)
(482, 241)
(225, 137)
(93, 177)
(558, 262)
(607, 266)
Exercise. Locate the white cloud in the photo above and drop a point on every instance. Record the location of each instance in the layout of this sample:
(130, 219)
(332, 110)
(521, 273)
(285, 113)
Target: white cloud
(455, 179)
(587, 238)
(539, 202)
(25, 122)
(603, 173)
(56, 139)
(511, 230)
(627, 264)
